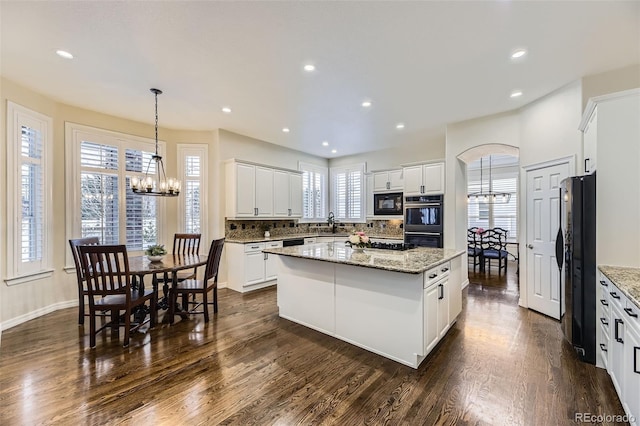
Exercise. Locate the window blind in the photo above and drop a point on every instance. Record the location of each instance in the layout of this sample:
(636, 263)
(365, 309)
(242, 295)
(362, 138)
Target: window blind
(348, 193)
(32, 195)
(314, 192)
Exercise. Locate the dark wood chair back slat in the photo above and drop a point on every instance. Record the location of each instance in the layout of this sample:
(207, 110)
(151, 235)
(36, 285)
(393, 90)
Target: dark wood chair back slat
(106, 269)
(82, 290)
(186, 243)
(213, 261)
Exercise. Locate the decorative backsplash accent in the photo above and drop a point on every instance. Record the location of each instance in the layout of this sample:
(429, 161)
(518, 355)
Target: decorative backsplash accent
(239, 229)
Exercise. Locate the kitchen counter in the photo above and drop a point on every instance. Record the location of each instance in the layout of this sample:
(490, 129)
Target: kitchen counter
(414, 261)
(627, 279)
(251, 240)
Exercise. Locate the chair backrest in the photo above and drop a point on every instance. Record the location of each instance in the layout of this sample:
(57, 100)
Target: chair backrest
(472, 236)
(494, 239)
(106, 269)
(75, 243)
(213, 261)
(186, 243)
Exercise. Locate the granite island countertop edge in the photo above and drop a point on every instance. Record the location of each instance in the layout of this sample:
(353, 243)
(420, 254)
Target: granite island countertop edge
(254, 240)
(415, 261)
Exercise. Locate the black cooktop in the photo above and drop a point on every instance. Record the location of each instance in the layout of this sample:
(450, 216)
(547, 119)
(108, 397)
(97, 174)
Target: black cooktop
(393, 246)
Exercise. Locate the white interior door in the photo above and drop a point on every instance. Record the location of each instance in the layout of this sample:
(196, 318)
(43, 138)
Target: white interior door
(543, 215)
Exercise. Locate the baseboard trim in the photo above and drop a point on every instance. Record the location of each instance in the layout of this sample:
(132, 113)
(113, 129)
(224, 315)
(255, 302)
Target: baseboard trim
(37, 313)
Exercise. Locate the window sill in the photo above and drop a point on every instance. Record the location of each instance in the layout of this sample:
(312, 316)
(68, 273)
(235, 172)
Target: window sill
(29, 277)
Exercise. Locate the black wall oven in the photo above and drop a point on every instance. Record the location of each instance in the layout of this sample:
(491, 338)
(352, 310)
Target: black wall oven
(387, 204)
(423, 220)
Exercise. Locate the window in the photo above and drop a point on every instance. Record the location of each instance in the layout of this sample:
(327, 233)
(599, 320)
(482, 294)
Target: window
(504, 179)
(191, 172)
(314, 192)
(29, 186)
(101, 164)
(348, 193)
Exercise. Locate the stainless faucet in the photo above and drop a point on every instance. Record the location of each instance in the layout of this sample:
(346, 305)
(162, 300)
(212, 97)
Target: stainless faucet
(331, 221)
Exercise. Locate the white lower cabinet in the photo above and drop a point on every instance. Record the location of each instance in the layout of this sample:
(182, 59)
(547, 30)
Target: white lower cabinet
(249, 268)
(623, 363)
(430, 330)
(435, 311)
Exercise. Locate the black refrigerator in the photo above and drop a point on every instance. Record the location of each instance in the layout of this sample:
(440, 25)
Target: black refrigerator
(576, 256)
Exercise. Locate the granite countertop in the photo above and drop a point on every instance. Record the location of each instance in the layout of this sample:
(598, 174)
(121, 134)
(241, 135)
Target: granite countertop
(626, 279)
(251, 240)
(414, 261)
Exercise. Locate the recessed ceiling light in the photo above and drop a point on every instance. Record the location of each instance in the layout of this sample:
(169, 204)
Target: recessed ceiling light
(285, 129)
(400, 126)
(518, 53)
(333, 151)
(309, 67)
(64, 54)
(226, 110)
(516, 93)
(366, 104)
(325, 143)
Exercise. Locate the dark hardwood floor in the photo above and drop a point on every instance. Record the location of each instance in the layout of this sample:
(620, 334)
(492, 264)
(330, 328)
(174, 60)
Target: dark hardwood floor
(499, 365)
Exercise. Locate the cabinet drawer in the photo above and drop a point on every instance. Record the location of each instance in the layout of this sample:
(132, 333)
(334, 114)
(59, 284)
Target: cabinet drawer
(248, 248)
(273, 244)
(632, 314)
(603, 345)
(434, 274)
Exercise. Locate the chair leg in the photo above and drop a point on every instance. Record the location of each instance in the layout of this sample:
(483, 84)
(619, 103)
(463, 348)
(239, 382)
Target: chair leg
(127, 326)
(92, 328)
(81, 310)
(215, 300)
(153, 315)
(205, 306)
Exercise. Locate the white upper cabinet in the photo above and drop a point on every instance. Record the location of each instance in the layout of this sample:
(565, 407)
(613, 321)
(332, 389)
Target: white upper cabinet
(424, 179)
(257, 191)
(287, 194)
(388, 180)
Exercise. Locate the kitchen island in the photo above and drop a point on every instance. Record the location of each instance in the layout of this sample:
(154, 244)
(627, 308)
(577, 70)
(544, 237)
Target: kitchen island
(398, 304)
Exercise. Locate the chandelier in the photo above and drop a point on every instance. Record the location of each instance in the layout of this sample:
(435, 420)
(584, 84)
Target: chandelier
(156, 184)
(488, 197)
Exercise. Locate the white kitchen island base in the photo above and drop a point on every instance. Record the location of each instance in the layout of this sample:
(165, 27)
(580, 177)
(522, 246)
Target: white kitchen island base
(382, 311)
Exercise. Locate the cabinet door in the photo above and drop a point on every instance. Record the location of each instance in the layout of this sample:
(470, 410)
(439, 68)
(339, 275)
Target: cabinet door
(245, 190)
(433, 176)
(616, 348)
(589, 141)
(254, 267)
(412, 180)
(295, 195)
(430, 316)
(631, 399)
(270, 267)
(395, 180)
(380, 181)
(281, 191)
(443, 307)
(264, 191)
(455, 287)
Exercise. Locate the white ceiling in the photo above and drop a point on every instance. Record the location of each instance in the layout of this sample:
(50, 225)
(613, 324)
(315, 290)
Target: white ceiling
(421, 63)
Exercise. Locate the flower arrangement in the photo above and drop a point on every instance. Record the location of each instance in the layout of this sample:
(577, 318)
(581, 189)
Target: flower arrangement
(358, 240)
(156, 250)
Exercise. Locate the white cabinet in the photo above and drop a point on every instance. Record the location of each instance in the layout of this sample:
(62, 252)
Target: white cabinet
(287, 194)
(435, 312)
(589, 140)
(249, 268)
(623, 335)
(424, 179)
(256, 191)
(388, 180)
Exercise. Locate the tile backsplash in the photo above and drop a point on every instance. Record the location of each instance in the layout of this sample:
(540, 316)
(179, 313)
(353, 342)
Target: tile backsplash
(237, 229)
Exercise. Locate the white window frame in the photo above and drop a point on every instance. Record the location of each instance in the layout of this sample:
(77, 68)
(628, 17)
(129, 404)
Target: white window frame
(201, 151)
(361, 168)
(74, 135)
(18, 271)
(324, 173)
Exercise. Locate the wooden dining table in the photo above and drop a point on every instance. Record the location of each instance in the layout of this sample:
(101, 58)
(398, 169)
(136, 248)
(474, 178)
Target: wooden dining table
(167, 268)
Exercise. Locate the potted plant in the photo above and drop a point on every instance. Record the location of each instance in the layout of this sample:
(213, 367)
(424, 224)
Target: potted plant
(358, 241)
(155, 252)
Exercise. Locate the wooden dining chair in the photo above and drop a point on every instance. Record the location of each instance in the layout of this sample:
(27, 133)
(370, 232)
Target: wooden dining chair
(109, 284)
(474, 248)
(82, 287)
(494, 247)
(187, 244)
(203, 287)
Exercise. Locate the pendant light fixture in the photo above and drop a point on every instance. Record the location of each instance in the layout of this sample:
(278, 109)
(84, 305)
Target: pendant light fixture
(156, 185)
(488, 197)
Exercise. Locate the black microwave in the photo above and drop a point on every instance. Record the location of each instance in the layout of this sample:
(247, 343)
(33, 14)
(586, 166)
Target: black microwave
(387, 204)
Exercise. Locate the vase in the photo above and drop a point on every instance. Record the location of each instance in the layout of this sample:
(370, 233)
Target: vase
(358, 249)
(156, 258)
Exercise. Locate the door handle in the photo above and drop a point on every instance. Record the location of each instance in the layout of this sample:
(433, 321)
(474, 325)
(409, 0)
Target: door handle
(635, 359)
(604, 302)
(618, 339)
(604, 283)
(630, 312)
(441, 292)
(614, 295)
(255, 211)
(603, 347)
(529, 246)
(604, 321)
(586, 169)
